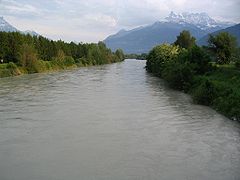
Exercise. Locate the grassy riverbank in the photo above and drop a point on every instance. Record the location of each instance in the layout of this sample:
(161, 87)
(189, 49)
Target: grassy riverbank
(219, 89)
(40, 66)
(11, 69)
(191, 71)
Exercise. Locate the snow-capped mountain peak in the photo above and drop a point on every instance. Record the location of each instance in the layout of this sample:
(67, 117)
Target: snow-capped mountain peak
(201, 20)
(5, 26)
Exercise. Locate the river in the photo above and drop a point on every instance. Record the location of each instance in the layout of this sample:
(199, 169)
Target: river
(111, 122)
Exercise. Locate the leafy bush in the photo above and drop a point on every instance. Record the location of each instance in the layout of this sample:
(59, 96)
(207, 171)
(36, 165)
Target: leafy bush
(204, 93)
(28, 58)
(69, 61)
(218, 94)
(200, 60)
(9, 69)
(159, 56)
(190, 70)
(178, 75)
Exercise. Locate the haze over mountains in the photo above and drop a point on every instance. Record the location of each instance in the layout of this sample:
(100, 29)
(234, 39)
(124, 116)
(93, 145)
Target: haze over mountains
(142, 39)
(6, 27)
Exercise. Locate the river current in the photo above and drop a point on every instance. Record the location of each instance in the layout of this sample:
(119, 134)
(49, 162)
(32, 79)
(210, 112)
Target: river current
(111, 122)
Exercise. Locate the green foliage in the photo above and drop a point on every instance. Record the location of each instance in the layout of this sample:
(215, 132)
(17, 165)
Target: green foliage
(69, 61)
(185, 40)
(39, 54)
(191, 70)
(119, 53)
(221, 90)
(178, 75)
(204, 93)
(142, 56)
(28, 57)
(9, 69)
(223, 45)
(159, 56)
(236, 57)
(229, 105)
(199, 59)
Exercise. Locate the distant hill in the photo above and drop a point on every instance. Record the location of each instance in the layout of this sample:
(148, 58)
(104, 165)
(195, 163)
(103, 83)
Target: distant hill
(234, 30)
(7, 27)
(142, 39)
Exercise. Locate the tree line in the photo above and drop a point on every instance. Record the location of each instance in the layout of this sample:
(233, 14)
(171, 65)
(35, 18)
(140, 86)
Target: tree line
(28, 51)
(211, 74)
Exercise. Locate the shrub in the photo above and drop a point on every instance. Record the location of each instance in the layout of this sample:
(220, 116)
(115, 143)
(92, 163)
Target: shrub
(69, 61)
(13, 69)
(200, 59)
(204, 93)
(179, 76)
(159, 56)
(28, 58)
(228, 105)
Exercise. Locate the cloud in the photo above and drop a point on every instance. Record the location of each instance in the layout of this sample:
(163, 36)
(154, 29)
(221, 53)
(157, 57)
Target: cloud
(12, 7)
(93, 20)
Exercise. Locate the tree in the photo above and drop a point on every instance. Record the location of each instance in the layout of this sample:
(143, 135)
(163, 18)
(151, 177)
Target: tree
(28, 57)
(159, 56)
(119, 53)
(236, 57)
(25, 49)
(200, 59)
(223, 45)
(185, 40)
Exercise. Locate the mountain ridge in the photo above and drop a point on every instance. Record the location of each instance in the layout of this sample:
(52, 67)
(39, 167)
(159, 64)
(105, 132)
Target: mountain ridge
(142, 39)
(7, 27)
(233, 30)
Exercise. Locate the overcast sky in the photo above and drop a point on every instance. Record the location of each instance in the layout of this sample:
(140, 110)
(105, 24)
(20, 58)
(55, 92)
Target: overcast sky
(94, 20)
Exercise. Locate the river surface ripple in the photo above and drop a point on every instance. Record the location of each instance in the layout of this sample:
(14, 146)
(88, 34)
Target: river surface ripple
(111, 122)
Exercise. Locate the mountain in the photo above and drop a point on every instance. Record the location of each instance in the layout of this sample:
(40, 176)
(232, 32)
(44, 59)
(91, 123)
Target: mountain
(32, 33)
(142, 39)
(6, 27)
(201, 20)
(233, 30)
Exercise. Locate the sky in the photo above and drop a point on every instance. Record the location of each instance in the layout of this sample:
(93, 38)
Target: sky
(94, 20)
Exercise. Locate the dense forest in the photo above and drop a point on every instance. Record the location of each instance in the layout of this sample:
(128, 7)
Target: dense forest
(21, 53)
(210, 74)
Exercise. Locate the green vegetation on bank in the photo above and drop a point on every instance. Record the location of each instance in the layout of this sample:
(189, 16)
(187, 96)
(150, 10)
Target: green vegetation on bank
(33, 54)
(210, 74)
(142, 56)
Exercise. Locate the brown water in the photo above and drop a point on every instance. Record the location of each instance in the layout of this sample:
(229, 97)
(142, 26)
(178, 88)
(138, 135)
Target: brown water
(111, 122)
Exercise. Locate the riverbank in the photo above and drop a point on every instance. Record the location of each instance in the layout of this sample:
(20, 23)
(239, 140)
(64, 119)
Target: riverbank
(11, 69)
(190, 71)
(219, 89)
